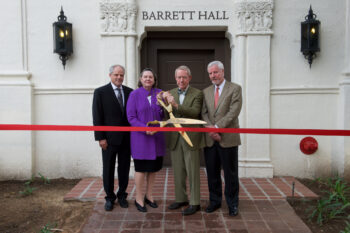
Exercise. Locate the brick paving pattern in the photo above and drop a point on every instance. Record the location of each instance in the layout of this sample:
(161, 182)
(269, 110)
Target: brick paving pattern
(262, 208)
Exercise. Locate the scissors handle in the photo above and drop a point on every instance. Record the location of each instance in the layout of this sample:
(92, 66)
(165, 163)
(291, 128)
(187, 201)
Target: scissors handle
(161, 123)
(167, 107)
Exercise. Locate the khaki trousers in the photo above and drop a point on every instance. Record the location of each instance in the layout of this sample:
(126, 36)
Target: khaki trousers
(186, 163)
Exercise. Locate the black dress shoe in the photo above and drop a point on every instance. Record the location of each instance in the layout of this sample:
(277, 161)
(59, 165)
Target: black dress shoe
(191, 210)
(109, 205)
(177, 205)
(151, 204)
(123, 202)
(140, 208)
(233, 211)
(212, 208)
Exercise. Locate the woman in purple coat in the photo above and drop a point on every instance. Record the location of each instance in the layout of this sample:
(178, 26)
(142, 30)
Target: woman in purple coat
(147, 148)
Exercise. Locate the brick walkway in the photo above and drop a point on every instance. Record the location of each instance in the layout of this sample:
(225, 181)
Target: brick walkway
(262, 208)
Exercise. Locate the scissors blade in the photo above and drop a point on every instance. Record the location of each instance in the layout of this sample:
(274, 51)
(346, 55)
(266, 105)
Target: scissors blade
(182, 133)
(186, 121)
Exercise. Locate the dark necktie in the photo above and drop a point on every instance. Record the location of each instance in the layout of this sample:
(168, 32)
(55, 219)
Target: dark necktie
(120, 97)
(181, 92)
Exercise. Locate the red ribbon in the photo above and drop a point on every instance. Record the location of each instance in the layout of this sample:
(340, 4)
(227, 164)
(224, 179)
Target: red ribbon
(319, 132)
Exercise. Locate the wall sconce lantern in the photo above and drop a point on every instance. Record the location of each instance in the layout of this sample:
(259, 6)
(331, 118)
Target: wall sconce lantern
(63, 38)
(310, 42)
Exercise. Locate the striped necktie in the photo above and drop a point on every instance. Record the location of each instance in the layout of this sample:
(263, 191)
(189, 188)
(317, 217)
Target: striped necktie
(120, 97)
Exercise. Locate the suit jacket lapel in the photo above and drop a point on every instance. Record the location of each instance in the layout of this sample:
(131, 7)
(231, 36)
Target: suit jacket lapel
(112, 93)
(126, 94)
(176, 96)
(188, 96)
(211, 97)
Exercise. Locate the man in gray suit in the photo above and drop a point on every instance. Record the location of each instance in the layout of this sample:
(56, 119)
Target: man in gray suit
(221, 107)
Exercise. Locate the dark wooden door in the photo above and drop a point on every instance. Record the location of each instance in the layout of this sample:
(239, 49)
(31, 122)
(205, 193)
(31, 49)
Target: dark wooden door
(195, 59)
(165, 51)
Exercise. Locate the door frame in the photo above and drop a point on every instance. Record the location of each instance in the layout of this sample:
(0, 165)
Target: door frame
(152, 43)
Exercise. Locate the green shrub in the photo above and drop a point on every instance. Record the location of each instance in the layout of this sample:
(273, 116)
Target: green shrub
(336, 202)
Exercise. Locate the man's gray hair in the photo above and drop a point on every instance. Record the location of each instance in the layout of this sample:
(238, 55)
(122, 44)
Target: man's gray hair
(185, 68)
(111, 69)
(217, 63)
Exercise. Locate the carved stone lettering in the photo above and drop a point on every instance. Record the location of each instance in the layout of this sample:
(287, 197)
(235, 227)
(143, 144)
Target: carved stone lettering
(184, 15)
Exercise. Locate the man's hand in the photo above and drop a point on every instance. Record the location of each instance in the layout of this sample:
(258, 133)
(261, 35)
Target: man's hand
(213, 135)
(163, 95)
(103, 144)
(171, 100)
(216, 137)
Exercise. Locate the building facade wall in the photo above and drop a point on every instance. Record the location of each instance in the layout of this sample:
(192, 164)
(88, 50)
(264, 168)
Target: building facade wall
(279, 88)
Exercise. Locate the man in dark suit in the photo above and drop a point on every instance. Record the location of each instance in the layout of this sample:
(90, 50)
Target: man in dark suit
(221, 107)
(187, 103)
(109, 109)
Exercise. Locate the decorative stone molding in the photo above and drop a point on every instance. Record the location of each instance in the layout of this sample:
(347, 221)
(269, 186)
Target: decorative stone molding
(64, 91)
(304, 90)
(118, 18)
(15, 78)
(254, 17)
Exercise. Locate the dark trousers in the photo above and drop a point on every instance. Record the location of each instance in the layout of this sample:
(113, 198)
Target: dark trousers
(108, 159)
(227, 158)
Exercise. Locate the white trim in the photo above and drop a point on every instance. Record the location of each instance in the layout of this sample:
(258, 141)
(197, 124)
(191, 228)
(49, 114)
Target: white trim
(15, 78)
(303, 90)
(255, 163)
(24, 35)
(15, 74)
(248, 160)
(63, 91)
(344, 82)
(118, 34)
(257, 33)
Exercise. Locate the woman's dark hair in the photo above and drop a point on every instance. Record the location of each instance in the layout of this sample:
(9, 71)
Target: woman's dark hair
(139, 84)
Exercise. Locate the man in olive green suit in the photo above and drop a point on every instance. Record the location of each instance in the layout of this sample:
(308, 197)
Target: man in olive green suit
(187, 103)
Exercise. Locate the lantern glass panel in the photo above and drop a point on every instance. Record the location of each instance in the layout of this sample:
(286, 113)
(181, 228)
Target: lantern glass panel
(314, 37)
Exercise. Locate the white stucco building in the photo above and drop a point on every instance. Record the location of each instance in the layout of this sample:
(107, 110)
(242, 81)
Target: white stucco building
(258, 41)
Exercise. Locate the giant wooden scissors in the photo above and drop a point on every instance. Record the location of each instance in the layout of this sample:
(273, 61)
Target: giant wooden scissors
(176, 121)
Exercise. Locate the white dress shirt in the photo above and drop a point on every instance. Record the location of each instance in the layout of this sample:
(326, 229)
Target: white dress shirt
(116, 92)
